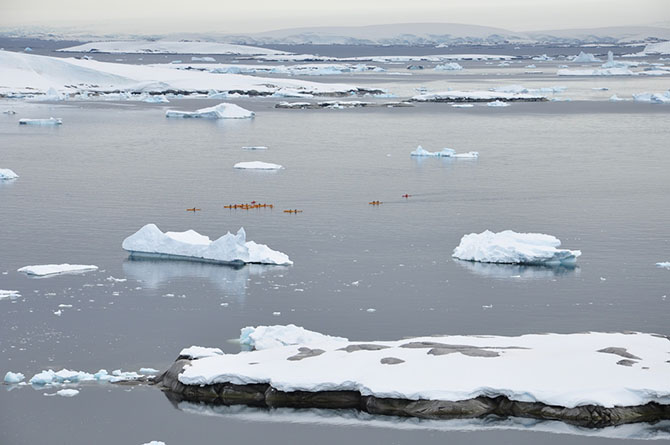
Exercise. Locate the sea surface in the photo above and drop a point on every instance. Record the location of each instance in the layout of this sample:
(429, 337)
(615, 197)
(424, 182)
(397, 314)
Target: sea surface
(591, 172)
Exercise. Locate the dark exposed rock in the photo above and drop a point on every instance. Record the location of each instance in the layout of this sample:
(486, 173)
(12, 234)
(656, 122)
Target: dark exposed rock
(621, 352)
(391, 361)
(264, 395)
(626, 362)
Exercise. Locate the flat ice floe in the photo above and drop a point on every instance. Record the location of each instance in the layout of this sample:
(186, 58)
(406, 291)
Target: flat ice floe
(665, 265)
(65, 376)
(514, 248)
(565, 370)
(653, 98)
(596, 72)
(7, 174)
(49, 121)
(168, 47)
(257, 165)
(221, 111)
(477, 96)
(444, 153)
(55, 269)
(11, 294)
(192, 246)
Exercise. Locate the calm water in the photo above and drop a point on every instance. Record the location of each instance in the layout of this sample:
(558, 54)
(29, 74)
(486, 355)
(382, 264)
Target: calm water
(593, 174)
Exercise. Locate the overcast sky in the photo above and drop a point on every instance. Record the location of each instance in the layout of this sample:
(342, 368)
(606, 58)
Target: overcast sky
(240, 16)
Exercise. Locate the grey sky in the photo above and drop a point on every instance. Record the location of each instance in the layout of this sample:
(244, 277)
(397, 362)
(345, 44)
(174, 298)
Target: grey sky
(147, 16)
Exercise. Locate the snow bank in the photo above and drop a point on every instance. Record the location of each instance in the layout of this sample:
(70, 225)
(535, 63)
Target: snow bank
(585, 58)
(50, 121)
(268, 337)
(514, 248)
(190, 245)
(7, 174)
(14, 377)
(197, 352)
(613, 369)
(168, 47)
(444, 153)
(53, 269)
(453, 66)
(257, 165)
(221, 111)
(476, 96)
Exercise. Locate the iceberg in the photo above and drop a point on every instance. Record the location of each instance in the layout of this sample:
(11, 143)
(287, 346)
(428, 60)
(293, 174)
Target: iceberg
(11, 294)
(585, 58)
(257, 165)
(50, 121)
(665, 265)
(14, 377)
(156, 99)
(444, 153)
(55, 269)
(615, 370)
(7, 174)
(453, 66)
(203, 59)
(514, 248)
(221, 111)
(67, 392)
(192, 246)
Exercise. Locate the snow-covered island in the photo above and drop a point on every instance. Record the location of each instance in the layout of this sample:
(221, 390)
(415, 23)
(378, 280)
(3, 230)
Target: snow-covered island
(510, 247)
(221, 111)
(622, 376)
(231, 249)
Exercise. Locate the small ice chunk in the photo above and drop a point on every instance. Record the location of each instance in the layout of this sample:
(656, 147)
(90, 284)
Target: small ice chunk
(149, 371)
(462, 106)
(202, 59)
(7, 174)
(11, 294)
(50, 121)
(665, 265)
(53, 269)
(453, 66)
(255, 147)
(197, 352)
(14, 377)
(514, 248)
(154, 442)
(221, 111)
(116, 280)
(67, 392)
(257, 165)
(497, 103)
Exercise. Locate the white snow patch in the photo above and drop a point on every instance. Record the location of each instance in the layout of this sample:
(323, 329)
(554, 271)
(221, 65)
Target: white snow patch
(221, 111)
(190, 245)
(269, 337)
(53, 269)
(257, 165)
(514, 248)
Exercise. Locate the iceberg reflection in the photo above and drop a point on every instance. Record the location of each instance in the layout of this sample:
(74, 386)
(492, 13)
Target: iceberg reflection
(517, 271)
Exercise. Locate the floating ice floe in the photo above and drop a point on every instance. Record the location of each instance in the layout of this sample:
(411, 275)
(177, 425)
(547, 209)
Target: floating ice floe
(257, 165)
(14, 377)
(149, 371)
(50, 121)
(543, 58)
(203, 59)
(615, 369)
(156, 99)
(477, 96)
(67, 392)
(198, 352)
(444, 153)
(497, 103)
(221, 111)
(192, 246)
(514, 248)
(453, 66)
(255, 147)
(520, 89)
(11, 294)
(54, 269)
(462, 106)
(615, 98)
(65, 376)
(653, 98)
(7, 174)
(665, 265)
(597, 72)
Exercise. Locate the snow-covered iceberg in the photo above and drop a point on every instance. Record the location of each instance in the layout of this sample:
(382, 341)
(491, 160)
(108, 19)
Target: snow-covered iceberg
(221, 111)
(444, 153)
(50, 121)
(56, 269)
(514, 248)
(190, 245)
(257, 165)
(7, 174)
(585, 58)
(614, 369)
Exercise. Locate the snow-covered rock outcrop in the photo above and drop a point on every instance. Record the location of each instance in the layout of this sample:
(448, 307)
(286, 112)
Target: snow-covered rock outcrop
(221, 111)
(190, 245)
(514, 248)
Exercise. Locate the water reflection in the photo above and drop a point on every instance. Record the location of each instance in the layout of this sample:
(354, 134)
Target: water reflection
(230, 279)
(355, 418)
(518, 271)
